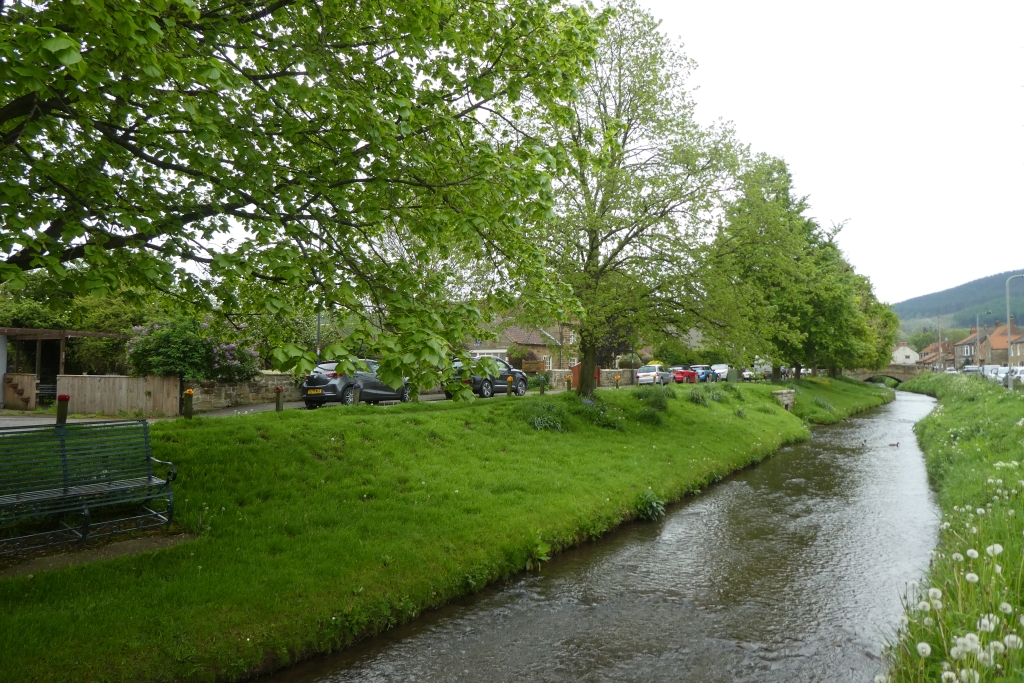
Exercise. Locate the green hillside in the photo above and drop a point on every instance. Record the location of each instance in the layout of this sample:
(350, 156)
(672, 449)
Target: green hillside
(959, 305)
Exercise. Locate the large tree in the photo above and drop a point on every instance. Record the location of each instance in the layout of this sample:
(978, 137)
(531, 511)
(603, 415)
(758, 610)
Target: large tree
(640, 180)
(342, 151)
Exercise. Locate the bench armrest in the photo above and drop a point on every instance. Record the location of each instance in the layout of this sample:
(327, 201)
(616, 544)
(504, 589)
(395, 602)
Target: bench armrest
(173, 474)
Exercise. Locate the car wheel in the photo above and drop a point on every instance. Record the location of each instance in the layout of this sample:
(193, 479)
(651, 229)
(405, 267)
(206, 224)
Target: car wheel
(311, 405)
(485, 389)
(404, 396)
(520, 387)
(347, 396)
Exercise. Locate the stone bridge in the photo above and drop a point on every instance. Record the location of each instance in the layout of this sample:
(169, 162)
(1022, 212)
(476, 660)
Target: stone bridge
(900, 373)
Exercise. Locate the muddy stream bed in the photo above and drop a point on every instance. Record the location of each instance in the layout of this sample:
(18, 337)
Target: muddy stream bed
(789, 571)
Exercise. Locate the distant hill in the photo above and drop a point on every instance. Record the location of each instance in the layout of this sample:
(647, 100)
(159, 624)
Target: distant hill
(958, 305)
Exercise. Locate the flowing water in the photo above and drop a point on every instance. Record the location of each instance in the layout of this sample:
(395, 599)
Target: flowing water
(789, 571)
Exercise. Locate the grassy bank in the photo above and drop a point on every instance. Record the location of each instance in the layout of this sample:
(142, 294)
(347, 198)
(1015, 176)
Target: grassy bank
(317, 528)
(965, 623)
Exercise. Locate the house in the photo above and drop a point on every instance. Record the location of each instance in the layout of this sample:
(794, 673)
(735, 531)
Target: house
(1017, 351)
(934, 356)
(993, 349)
(904, 355)
(966, 350)
(555, 345)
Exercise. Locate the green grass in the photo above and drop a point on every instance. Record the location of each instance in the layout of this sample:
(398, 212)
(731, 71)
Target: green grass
(318, 528)
(826, 401)
(973, 444)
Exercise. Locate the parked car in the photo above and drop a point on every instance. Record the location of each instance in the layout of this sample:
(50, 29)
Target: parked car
(989, 372)
(485, 387)
(684, 374)
(654, 374)
(971, 370)
(747, 375)
(951, 371)
(324, 385)
(1018, 376)
(1000, 374)
(721, 372)
(704, 373)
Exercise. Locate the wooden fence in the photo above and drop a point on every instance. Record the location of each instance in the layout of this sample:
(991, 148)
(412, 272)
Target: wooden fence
(118, 394)
(19, 391)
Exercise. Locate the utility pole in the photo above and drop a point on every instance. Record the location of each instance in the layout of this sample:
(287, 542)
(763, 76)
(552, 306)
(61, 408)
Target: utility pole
(938, 329)
(977, 337)
(1009, 377)
(318, 337)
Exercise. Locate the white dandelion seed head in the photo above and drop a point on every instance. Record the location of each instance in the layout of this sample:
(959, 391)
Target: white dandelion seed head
(974, 529)
(923, 606)
(984, 658)
(948, 677)
(969, 676)
(924, 649)
(988, 623)
(937, 605)
(934, 593)
(999, 569)
(980, 511)
(972, 553)
(972, 641)
(957, 557)
(912, 586)
(1013, 642)
(928, 621)
(1006, 608)
(881, 679)
(996, 648)
(971, 577)
(955, 652)
(994, 549)
(904, 621)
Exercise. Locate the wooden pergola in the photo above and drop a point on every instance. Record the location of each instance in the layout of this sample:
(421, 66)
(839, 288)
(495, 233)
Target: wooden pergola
(38, 335)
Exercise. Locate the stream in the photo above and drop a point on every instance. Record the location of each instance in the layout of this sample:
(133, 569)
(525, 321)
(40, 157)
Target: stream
(788, 571)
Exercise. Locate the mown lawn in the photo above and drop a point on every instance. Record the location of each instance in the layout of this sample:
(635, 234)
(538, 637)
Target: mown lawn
(317, 528)
(966, 622)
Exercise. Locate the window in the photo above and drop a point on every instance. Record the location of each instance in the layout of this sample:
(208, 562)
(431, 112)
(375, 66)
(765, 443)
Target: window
(547, 362)
(572, 361)
(572, 337)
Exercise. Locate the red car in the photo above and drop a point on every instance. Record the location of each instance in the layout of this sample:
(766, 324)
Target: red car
(684, 375)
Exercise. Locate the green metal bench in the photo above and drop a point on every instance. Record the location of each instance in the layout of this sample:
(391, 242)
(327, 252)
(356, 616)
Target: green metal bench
(57, 471)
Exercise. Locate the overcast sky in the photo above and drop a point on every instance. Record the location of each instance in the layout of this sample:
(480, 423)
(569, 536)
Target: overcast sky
(903, 117)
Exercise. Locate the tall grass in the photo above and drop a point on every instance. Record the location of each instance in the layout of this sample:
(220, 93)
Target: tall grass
(965, 622)
(314, 529)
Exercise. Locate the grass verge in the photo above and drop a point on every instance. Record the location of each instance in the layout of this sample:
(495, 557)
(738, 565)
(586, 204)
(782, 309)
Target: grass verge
(965, 622)
(314, 529)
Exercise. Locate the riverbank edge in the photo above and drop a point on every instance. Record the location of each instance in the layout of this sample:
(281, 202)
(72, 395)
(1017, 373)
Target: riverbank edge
(970, 442)
(223, 663)
(810, 412)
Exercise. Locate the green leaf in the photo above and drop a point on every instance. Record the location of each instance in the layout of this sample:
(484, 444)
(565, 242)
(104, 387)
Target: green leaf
(59, 44)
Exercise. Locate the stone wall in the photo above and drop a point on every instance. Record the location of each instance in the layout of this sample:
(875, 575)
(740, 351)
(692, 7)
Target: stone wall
(216, 395)
(607, 377)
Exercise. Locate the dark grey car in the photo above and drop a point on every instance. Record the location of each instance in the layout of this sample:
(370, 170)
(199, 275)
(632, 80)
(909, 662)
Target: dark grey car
(324, 385)
(485, 387)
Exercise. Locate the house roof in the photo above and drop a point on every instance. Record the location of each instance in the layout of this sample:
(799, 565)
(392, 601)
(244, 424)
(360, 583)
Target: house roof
(527, 337)
(969, 338)
(32, 334)
(997, 340)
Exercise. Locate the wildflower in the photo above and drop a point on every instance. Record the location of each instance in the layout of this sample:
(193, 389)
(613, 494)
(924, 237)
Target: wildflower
(1005, 608)
(969, 676)
(996, 648)
(999, 569)
(972, 553)
(924, 649)
(957, 557)
(948, 677)
(988, 623)
(880, 678)
(985, 658)
(929, 622)
(913, 586)
(937, 605)
(934, 593)
(980, 511)
(994, 549)
(923, 606)
(971, 577)
(904, 621)
(974, 529)
(1013, 642)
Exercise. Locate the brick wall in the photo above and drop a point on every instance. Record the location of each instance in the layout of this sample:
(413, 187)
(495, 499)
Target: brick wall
(216, 395)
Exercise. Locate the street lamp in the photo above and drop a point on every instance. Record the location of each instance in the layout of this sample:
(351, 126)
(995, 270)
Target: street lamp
(1009, 375)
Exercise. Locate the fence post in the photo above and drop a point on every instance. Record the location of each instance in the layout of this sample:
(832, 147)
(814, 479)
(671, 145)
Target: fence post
(509, 386)
(187, 399)
(568, 382)
(279, 406)
(356, 390)
(542, 380)
(62, 409)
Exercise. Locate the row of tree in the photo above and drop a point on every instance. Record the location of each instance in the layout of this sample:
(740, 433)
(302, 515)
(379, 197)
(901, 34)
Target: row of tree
(418, 171)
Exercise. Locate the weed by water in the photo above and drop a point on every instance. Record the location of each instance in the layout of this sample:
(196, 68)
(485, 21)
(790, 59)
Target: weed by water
(649, 506)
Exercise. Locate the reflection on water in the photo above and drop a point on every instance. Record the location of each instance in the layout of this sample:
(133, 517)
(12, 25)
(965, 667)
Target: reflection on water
(790, 571)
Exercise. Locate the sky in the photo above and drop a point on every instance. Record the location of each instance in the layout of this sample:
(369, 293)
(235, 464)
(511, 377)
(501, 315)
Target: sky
(905, 119)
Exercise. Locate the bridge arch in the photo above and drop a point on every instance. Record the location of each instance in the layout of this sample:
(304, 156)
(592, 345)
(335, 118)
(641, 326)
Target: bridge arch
(900, 373)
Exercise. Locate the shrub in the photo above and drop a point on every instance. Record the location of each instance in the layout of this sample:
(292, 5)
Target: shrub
(740, 413)
(627, 362)
(648, 415)
(649, 506)
(655, 397)
(822, 403)
(535, 381)
(185, 348)
(699, 396)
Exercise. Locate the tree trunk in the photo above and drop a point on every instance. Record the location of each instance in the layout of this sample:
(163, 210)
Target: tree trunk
(589, 361)
(796, 370)
(776, 374)
(833, 371)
